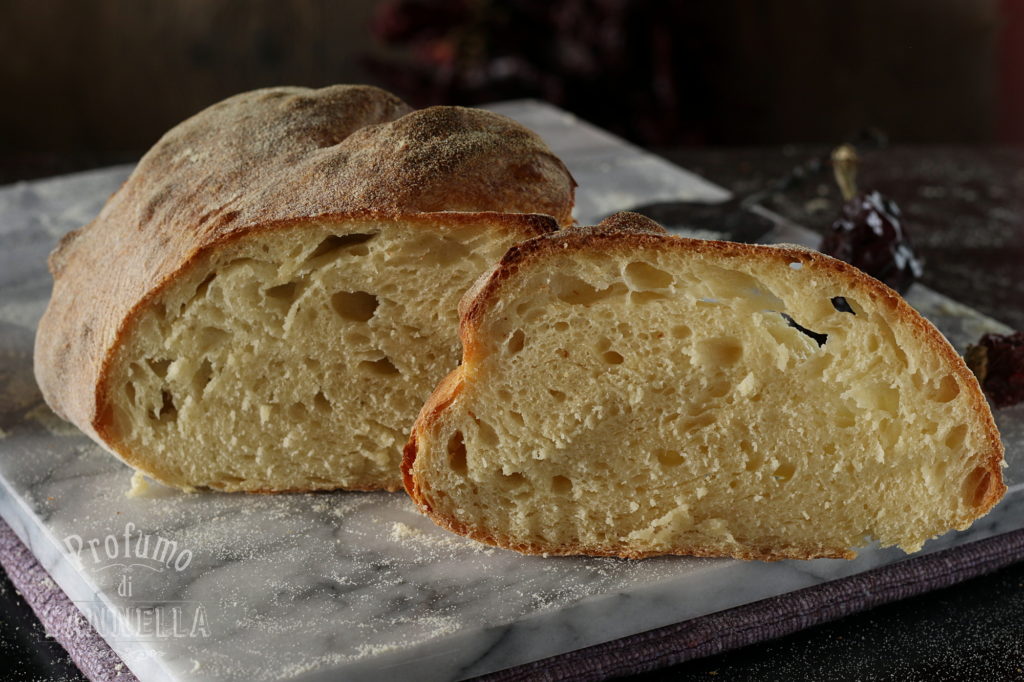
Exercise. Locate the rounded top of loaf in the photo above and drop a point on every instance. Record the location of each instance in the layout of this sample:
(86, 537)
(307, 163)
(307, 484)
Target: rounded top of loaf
(288, 152)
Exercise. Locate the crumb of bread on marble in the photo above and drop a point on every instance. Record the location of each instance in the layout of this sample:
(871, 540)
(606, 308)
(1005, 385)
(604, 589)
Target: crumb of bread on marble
(401, 531)
(140, 486)
(404, 533)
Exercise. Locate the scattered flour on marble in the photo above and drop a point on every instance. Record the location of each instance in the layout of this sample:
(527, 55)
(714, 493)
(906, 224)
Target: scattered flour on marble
(403, 533)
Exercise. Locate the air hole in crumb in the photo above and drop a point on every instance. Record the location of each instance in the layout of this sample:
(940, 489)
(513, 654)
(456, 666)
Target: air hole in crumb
(129, 392)
(721, 351)
(644, 297)
(383, 367)
(699, 422)
(516, 341)
(669, 458)
(557, 395)
(718, 388)
(612, 358)
(321, 403)
(512, 481)
(561, 485)
(167, 411)
(358, 306)
(354, 338)
(681, 331)
(457, 453)
(159, 367)
(796, 265)
(976, 486)
(842, 305)
(486, 433)
(335, 243)
(642, 276)
(844, 417)
(201, 379)
(283, 292)
(949, 388)
(561, 326)
(203, 286)
(956, 437)
(818, 337)
(210, 337)
(575, 291)
(297, 412)
(784, 472)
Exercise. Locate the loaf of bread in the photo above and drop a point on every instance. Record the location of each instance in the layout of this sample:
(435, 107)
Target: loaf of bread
(628, 393)
(268, 300)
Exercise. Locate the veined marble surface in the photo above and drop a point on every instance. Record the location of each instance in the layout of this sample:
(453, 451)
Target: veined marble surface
(356, 585)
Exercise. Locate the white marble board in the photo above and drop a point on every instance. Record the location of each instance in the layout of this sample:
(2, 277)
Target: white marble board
(353, 585)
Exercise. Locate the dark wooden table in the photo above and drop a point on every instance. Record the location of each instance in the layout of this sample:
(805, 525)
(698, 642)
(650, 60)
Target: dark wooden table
(965, 210)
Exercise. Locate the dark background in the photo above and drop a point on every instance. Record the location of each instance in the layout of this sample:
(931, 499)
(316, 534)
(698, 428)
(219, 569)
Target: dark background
(88, 81)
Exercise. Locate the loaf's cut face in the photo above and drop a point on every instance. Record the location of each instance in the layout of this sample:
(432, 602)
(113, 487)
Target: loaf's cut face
(628, 393)
(271, 295)
(296, 358)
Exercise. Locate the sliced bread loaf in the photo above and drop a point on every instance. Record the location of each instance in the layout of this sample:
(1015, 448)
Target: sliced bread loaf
(629, 393)
(271, 296)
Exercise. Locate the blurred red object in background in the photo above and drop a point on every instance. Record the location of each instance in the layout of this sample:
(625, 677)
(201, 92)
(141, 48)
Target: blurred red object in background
(1010, 113)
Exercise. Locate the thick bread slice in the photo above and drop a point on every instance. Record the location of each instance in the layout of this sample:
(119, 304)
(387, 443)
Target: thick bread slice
(269, 298)
(628, 393)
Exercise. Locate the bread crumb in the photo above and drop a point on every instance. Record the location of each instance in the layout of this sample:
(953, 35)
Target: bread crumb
(140, 486)
(748, 386)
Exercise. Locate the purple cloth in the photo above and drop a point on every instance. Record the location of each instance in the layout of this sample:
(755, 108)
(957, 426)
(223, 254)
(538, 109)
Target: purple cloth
(705, 636)
(60, 617)
(775, 617)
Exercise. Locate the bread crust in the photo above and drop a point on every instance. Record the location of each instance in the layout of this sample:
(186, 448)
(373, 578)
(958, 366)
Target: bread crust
(268, 160)
(632, 232)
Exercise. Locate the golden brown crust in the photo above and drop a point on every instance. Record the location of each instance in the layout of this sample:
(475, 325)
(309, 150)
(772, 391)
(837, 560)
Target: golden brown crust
(262, 160)
(633, 232)
(441, 398)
